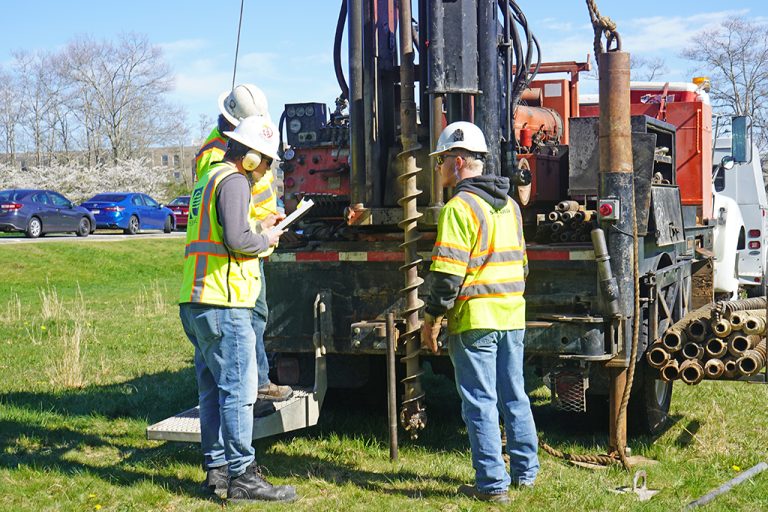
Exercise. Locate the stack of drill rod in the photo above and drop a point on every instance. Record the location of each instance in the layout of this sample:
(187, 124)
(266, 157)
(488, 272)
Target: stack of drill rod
(568, 223)
(725, 340)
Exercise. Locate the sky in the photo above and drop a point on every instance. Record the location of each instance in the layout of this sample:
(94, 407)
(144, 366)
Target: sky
(286, 45)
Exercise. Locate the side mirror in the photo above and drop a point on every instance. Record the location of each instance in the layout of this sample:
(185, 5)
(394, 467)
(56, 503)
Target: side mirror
(741, 138)
(727, 162)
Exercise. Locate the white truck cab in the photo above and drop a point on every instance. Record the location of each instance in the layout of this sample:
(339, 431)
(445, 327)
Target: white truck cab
(741, 216)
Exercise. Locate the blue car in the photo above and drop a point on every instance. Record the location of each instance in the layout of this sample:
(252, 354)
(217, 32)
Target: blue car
(37, 212)
(129, 211)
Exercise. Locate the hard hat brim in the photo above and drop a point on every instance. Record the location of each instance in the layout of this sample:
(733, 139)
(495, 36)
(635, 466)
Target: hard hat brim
(435, 153)
(225, 111)
(235, 136)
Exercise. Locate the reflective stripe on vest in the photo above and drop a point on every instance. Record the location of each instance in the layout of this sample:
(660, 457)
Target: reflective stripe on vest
(211, 152)
(487, 248)
(212, 274)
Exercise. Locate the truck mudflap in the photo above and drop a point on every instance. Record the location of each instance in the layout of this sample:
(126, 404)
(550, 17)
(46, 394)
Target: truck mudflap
(300, 411)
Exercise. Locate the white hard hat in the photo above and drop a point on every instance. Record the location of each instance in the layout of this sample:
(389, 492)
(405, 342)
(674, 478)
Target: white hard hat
(243, 101)
(461, 135)
(258, 133)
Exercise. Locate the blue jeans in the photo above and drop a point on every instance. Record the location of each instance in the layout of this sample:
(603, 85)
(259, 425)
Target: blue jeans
(488, 366)
(259, 316)
(225, 365)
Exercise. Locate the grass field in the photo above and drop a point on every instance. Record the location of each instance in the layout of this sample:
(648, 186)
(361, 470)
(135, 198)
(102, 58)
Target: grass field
(92, 352)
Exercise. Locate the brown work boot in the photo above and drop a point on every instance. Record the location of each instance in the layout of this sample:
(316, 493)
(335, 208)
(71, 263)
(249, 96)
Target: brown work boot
(472, 492)
(275, 393)
(252, 486)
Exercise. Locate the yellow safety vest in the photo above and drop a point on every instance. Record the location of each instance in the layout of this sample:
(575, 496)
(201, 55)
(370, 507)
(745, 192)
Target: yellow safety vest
(212, 273)
(211, 152)
(263, 203)
(486, 247)
(263, 192)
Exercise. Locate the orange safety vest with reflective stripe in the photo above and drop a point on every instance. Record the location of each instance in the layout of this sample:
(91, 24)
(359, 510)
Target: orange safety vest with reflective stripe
(212, 273)
(486, 247)
(211, 152)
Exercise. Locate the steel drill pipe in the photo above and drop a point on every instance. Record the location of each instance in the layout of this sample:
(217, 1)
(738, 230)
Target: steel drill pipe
(693, 350)
(697, 330)
(731, 369)
(556, 226)
(721, 327)
(553, 216)
(567, 206)
(567, 216)
(704, 312)
(714, 368)
(673, 340)
(578, 216)
(738, 344)
(657, 356)
(670, 371)
(753, 360)
(716, 348)
(754, 325)
(691, 371)
(737, 320)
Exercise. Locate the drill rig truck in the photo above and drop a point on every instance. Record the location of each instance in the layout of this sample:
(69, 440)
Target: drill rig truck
(624, 232)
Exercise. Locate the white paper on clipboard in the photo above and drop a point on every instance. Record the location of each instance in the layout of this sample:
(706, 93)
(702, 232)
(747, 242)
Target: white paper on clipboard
(302, 208)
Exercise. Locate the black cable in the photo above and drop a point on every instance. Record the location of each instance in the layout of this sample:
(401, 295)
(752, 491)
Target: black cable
(237, 48)
(337, 50)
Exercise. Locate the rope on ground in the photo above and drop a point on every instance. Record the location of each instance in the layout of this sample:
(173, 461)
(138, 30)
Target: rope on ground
(600, 460)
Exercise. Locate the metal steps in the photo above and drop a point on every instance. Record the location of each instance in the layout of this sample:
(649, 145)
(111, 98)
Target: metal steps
(302, 410)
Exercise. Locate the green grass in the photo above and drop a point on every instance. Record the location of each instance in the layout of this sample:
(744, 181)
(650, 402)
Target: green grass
(92, 352)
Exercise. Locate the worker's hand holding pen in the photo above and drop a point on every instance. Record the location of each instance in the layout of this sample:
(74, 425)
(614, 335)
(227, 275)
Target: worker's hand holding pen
(268, 225)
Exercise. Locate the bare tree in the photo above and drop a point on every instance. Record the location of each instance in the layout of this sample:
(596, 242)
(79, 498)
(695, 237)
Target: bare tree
(121, 88)
(735, 57)
(10, 113)
(646, 69)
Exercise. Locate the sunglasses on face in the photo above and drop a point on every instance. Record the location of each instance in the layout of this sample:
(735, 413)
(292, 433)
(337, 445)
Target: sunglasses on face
(441, 158)
(268, 160)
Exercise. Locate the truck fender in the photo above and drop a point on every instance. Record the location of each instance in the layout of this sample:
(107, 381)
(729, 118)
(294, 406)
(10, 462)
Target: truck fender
(729, 225)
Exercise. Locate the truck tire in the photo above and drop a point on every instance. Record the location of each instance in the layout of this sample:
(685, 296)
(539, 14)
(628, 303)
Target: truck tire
(649, 404)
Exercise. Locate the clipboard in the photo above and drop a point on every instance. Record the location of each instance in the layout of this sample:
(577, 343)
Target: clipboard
(302, 208)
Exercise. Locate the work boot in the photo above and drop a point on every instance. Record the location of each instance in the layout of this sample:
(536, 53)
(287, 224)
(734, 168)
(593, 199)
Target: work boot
(472, 492)
(216, 481)
(251, 486)
(275, 393)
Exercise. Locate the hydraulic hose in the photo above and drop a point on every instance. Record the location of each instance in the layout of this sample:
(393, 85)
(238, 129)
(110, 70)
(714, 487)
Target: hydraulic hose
(337, 50)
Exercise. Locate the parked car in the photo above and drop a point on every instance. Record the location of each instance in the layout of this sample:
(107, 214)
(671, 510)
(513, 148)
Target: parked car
(180, 208)
(129, 211)
(37, 212)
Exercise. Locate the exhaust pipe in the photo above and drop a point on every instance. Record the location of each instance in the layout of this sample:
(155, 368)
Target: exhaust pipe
(716, 348)
(714, 368)
(657, 357)
(691, 372)
(670, 371)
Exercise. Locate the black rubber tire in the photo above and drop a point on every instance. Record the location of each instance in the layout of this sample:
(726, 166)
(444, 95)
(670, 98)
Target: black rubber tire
(133, 226)
(648, 410)
(84, 228)
(34, 228)
(168, 225)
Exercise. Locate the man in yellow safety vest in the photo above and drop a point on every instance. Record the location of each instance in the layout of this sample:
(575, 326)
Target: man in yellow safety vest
(478, 270)
(220, 286)
(243, 101)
